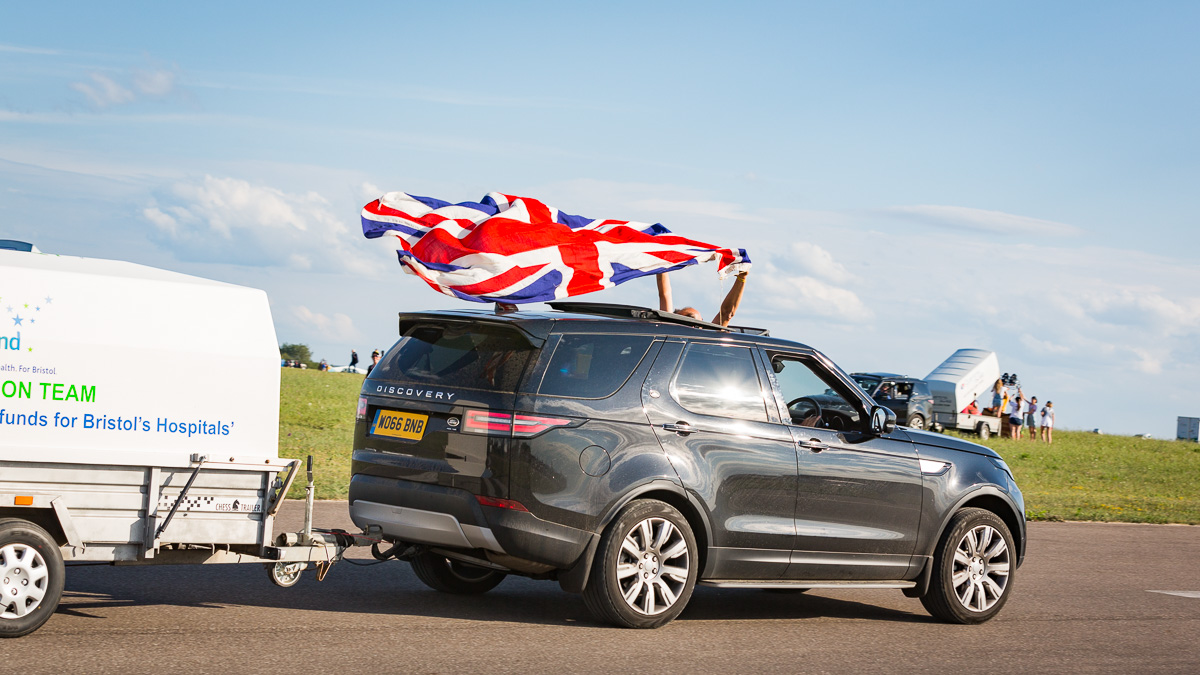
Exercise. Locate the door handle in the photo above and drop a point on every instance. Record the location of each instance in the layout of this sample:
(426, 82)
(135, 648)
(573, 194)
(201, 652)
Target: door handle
(679, 427)
(814, 444)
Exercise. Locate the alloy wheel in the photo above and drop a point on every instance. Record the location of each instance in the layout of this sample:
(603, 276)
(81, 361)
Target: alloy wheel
(653, 567)
(981, 568)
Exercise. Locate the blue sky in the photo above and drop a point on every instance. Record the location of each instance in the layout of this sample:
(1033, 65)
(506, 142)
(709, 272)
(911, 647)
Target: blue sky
(909, 178)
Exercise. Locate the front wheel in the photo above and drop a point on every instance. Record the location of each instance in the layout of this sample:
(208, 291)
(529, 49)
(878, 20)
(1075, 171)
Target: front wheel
(645, 568)
(972, 568)
(31, 577)
(450, 576)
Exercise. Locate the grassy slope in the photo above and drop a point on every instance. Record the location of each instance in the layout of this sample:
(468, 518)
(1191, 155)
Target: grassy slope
(316, 417)
(1084, 476)
(1081, 476)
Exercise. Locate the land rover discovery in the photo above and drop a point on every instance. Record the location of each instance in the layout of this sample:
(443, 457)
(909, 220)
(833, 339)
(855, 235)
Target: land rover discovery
(630, 454)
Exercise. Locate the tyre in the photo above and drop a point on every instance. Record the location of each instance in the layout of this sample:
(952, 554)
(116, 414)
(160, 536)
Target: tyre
(645, 567)
(972, 568)
(916, 422)
(31, 577)
(984, 431)
(451, 576)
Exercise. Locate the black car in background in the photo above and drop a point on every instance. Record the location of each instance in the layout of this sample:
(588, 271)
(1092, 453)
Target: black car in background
(630, 454)
(908, 397)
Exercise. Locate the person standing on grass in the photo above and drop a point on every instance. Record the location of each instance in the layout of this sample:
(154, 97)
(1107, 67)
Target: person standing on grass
(1015, 415)
(1031, 420)
(1048, 422)
(999, 398)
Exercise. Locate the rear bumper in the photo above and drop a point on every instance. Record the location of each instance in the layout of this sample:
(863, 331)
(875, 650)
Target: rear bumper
(419, 513)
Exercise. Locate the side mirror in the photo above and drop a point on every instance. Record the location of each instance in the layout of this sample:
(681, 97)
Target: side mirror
(883, 421)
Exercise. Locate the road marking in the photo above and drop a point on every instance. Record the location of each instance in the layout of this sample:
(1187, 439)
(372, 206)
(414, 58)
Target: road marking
(1182, 594)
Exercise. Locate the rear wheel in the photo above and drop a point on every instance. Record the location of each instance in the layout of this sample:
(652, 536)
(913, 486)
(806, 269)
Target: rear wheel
(916, 422)
(984, 431)
(645, 568)
(451, 576)
(972, 568)
(31, 577)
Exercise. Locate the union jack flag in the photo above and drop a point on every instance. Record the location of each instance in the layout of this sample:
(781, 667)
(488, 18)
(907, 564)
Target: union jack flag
(515, 249)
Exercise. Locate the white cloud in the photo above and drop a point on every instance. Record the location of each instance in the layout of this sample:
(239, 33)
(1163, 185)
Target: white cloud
(160, 219)
(221, 219)
(14, 49)
(819, 262)
(979, 220)
(707, 209)
(103, 91)
(335, 328)
(773, 292)
(158, 82)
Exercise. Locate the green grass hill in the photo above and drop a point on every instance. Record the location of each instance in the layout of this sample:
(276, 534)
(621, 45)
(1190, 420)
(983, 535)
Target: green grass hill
(1082, 476)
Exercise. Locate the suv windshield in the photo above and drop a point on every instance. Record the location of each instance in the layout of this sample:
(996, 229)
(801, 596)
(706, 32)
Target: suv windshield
(458, 355)
(867, 383)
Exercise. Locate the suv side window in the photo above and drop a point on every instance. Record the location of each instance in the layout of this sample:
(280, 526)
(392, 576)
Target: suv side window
(593, 366)
(811, 401)
(903, 390)
(920, 389)
(719, 380)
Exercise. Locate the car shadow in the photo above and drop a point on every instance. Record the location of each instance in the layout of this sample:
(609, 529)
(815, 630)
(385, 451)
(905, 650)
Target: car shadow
(392, 589)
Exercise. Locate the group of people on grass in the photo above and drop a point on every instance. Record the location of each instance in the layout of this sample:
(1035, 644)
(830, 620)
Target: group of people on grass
(1009, 401)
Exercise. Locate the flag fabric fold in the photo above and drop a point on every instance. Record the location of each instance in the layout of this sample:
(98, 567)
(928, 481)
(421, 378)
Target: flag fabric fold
(516, 250)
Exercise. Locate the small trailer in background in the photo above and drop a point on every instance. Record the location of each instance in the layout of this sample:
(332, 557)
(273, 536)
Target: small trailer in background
(961, 379)
(139, 418)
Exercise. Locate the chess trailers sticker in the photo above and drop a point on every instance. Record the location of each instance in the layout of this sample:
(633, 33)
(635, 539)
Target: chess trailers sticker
(211, 504)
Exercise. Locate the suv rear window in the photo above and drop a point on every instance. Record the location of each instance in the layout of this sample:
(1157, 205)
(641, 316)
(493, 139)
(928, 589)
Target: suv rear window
(593, 366)
(458, 355)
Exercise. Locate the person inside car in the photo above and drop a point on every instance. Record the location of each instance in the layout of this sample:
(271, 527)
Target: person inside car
(728, 306)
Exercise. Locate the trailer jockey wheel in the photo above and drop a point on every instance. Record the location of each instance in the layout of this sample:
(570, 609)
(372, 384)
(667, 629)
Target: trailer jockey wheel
(285, 575)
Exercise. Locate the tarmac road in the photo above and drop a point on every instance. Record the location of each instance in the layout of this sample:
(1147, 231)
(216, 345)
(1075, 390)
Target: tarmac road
(1081, 604)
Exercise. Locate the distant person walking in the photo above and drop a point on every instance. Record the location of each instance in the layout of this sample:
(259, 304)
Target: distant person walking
(1031, 419)
(1048, 422)
(353, 360)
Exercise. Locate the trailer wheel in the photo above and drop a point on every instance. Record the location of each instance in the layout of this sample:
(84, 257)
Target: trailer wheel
(31, 577)
(984, 431)
(285, 575)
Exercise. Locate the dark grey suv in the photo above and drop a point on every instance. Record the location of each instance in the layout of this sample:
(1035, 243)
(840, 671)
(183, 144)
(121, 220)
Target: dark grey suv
(630, 454)
(908, 397)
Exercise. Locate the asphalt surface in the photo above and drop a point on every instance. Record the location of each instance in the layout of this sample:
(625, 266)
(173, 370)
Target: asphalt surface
(1081, 603)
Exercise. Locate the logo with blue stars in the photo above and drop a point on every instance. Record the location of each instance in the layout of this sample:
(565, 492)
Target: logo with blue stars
(20, 316)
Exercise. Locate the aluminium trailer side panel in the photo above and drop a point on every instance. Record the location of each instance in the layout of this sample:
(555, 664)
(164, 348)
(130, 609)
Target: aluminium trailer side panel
(116, 511)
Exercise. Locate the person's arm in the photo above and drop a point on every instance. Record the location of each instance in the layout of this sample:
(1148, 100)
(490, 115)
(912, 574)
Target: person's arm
(732, 300)
(664, 293)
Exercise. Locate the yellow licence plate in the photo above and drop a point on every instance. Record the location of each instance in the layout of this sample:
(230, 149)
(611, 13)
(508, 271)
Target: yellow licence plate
(408, 426)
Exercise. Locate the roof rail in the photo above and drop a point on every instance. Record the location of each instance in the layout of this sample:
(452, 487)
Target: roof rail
(646, 314)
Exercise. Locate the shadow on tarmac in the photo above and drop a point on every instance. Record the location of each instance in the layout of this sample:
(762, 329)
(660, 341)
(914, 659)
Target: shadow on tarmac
(391, 589)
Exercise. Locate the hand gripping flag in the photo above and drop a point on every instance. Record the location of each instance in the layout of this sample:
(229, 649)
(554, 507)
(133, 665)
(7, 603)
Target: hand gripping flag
(515, 249)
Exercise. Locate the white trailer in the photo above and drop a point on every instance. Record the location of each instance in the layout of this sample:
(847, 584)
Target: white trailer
(139, 417)
(959, 380)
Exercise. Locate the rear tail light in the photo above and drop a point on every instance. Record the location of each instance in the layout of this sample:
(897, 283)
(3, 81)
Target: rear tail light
(361, 413)
(521, 426)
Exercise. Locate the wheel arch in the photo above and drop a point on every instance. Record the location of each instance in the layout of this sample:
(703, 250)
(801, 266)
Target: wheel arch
(46, 519)
(990, 499)
(576, 578)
